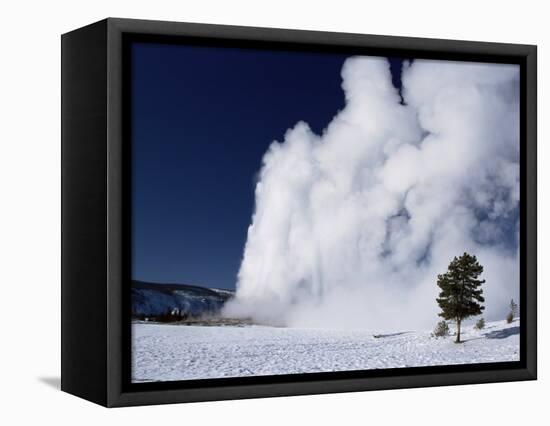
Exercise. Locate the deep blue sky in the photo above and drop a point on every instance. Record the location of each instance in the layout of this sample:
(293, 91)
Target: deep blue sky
(202, 118)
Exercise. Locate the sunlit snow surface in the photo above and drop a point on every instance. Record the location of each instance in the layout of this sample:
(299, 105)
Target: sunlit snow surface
(178, 352)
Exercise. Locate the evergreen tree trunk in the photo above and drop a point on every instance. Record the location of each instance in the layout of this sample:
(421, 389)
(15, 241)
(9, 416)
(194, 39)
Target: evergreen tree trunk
(458, 330)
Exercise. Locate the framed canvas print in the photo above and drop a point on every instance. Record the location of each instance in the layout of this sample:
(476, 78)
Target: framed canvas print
(251, 212)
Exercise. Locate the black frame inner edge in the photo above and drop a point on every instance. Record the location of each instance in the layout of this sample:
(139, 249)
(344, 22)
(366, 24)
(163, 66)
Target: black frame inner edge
(129, 38)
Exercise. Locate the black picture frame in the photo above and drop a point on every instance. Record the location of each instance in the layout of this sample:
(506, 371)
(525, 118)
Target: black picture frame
(95, 213)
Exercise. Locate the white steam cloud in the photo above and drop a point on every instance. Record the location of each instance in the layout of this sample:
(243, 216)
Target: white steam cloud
(352, 227)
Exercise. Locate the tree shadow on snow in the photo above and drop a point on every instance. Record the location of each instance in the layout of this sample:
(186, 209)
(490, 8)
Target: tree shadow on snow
(378, 336)
(472, 339)
(502, 334)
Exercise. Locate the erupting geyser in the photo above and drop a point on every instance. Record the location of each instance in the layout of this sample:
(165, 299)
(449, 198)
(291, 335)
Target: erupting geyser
(351, 227)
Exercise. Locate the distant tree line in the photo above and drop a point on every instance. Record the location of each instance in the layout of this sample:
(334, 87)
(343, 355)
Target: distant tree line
(169, 315)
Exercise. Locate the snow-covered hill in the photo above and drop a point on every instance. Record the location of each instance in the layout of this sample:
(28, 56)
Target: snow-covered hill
(177, 352)
(153, 300)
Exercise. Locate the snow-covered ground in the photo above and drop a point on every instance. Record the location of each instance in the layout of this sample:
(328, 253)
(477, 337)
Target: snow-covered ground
(176, 352)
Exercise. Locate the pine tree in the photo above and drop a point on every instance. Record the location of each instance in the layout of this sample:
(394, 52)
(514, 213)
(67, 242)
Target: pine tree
(441, 329)
(461, 294)
(480, 324)
(513, 311)
(513, 307)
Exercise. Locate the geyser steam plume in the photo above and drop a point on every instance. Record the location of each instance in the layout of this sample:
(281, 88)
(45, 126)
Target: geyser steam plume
(351, 227)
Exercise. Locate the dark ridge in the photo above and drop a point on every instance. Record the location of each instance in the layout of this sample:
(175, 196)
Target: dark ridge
(168, 288)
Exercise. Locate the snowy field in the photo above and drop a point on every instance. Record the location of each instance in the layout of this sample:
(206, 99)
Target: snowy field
(164, 352)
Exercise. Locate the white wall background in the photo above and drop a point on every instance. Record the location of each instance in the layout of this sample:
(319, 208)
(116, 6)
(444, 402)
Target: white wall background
(30, 200)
